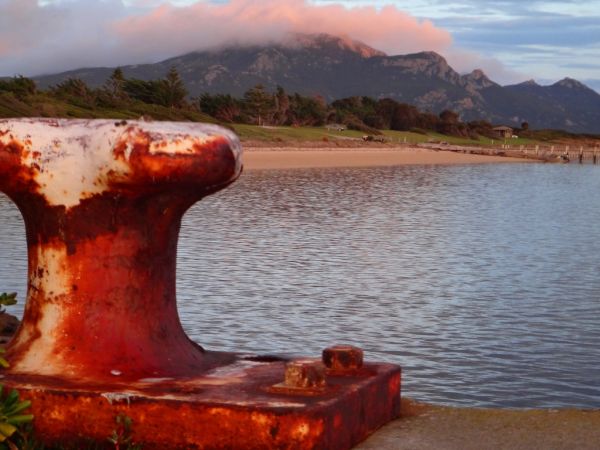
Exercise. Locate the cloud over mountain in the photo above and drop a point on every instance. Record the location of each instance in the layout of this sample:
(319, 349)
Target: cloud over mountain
(58, 35)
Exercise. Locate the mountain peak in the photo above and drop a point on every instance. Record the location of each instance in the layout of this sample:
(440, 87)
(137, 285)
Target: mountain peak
(324, 41)
(477, 80)
(339, 67)
(432, 56)
(570, 83)
(528, 83)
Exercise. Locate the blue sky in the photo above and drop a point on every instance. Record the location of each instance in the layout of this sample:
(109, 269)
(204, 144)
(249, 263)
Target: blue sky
(544, 40)
(511, 40)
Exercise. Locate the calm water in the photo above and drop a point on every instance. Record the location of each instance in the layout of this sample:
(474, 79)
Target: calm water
(483, 282)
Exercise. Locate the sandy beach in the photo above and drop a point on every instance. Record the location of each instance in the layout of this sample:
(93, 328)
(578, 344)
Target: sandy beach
(256, 158)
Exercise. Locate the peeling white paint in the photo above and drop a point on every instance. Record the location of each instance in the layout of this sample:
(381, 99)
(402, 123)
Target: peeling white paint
(51, 271)
(235, 370)
(155, 380)
(74, 159)
(118, 397)
(50, 281)
(41, 358)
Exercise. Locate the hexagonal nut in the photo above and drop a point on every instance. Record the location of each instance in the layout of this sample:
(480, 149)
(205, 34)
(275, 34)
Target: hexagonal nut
(343, 358)
(304, 374)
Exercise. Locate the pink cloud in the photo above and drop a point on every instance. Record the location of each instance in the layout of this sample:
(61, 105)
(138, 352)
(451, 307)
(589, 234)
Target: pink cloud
(56, 36)
(169, 29)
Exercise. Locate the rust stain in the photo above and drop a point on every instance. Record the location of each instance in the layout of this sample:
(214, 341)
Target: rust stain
(222, 415)
(16, 179)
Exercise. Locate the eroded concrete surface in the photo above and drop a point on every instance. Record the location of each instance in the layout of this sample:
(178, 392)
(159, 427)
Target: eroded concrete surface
(426, 427)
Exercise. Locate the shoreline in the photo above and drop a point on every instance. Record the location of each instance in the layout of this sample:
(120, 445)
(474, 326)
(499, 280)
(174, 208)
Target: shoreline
(289, 157)
(431, 427)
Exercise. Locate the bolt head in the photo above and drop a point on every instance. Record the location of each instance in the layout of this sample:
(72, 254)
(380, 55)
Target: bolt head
(342, 358)
(304, 374)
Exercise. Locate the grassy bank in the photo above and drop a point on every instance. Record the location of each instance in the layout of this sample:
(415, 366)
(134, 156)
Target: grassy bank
(283, 135)
(45, 105)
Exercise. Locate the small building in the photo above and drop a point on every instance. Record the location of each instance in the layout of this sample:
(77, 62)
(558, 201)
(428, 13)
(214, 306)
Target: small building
(503, 132)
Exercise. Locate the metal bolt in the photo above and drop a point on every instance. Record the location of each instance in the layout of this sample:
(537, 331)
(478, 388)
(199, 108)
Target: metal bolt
(343, 358)
(305, 373)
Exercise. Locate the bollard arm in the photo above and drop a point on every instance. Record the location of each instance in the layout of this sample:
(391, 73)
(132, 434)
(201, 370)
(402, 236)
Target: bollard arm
(67, 161)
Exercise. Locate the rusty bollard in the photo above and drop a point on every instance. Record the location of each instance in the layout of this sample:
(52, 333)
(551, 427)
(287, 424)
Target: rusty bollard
(100, 338)
(102, 203)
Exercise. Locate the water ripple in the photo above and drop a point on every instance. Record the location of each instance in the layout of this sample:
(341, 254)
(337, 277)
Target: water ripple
(481, 281)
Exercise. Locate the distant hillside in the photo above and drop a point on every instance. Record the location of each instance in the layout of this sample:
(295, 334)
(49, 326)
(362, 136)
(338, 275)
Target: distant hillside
(335, 68)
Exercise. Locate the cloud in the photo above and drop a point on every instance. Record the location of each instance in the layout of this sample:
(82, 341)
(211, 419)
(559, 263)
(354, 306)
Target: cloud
(204, 24)
(549, 39)
(464, 61)
(38, 38)
(54, 36)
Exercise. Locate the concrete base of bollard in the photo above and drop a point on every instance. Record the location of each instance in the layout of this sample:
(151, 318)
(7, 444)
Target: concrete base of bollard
(244, 404)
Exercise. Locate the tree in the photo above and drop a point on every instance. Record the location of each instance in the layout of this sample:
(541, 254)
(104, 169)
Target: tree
(114, 86)
(144, 91)
(427, 121)
(449, 124)
(307, 111)
(258, 104)
(169, 91)
(220, 106)
(75, 91)
(112, 94)
(281, 107)
(20, 86)
(385, 109)
(405, 117)
(481, 128)
(175, 91)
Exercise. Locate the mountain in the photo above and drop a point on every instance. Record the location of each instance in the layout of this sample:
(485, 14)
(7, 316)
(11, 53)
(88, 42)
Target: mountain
(338, 67)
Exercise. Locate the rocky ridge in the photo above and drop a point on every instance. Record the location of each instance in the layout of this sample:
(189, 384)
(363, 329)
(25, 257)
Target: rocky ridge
(337, 67)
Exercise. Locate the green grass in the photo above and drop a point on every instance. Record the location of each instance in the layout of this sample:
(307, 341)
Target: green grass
(43, 105)
(281, 134)
(286, 134)
(46, 105)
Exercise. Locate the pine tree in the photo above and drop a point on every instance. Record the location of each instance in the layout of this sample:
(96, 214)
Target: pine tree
(259, 104)
(114, 85)
(175, 91)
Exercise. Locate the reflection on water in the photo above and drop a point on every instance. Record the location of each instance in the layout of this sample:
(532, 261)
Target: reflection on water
(481, 281)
